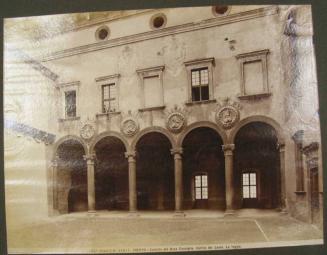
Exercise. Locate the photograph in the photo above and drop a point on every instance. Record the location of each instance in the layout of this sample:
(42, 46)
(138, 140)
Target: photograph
(173, 129)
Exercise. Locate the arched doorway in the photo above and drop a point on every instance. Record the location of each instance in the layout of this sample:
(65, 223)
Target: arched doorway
(71, 186)
(154, 173)
(111, 175)
(256, 167)
(203, 170)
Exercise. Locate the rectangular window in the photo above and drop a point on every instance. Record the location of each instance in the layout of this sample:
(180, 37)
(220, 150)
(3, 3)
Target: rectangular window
(201, 186)
(249, 185)
(109, 98)
(152, 91)
(70, 103)
(200, 84)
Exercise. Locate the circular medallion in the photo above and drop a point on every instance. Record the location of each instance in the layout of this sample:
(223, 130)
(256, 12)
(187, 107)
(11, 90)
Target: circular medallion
(87, 131)
(129, 127)
(175, 122)
(227, 116)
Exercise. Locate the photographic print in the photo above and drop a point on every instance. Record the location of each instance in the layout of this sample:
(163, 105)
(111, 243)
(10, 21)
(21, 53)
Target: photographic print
(162, 130)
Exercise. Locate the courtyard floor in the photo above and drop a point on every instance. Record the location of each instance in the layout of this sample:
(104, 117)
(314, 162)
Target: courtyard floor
(160, 231)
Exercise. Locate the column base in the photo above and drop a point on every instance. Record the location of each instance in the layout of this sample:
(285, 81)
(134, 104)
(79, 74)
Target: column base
(133, 214)
(229, 212)
(91, 213)
(179, 214)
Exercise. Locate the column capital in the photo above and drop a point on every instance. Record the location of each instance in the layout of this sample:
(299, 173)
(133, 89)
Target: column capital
(178, 150)
(228, 148)
(90, 158)
(130, 154)
(281, 147)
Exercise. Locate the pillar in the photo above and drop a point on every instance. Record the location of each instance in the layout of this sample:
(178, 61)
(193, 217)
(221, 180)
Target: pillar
(54, 166)
(177, 152)
(131, 156)
(281, 148)
(90, 182)
(229, 187)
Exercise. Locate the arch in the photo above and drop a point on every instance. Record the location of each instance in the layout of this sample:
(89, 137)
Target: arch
(259, 118)
(108, 134)
(67, 138)
(153, 130)
(206, 124)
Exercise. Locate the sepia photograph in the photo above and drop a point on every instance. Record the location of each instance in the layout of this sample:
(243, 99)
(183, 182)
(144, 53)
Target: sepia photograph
(162, 130)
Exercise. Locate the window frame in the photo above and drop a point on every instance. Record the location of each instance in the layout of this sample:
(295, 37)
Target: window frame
(103, 81)
(201, 186)
(251, 57)
(195, 65)
(200, 86)
(109, 99)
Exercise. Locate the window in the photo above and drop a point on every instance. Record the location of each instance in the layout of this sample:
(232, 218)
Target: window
(254, 74)
(109, 95)
(151, 84)
(200, 84)
(158, 21)
(200, 78)
(70, 103)
(249, 185)
(201, 186)
(102, 33)
(220, 10)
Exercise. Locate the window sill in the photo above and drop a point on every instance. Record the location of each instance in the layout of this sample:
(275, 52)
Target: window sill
(107, 114)
(69, 119)
(201, 102)
(300, 192)
(254, 96)
(155, 108)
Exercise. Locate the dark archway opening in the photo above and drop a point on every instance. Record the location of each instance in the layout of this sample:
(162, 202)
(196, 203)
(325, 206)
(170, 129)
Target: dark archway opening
(155, 173)
(203, 170)
(111, 175)
(256, 167)
(71, 184)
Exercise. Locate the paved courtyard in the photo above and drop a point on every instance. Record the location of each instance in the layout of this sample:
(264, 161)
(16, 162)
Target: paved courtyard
(119, 232)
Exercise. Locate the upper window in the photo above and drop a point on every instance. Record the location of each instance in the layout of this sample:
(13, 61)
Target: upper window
(220, 10)
(200, 84)
(158, 21)
(102, 33)
(70, 103)
(250, 185)
(200, 77)
(201, 186)
(109, 98)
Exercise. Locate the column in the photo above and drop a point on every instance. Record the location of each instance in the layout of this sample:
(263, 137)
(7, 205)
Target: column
(54, 166)
(229, 187)
(177, 152)
(281, 148)
(90, 182)
(131, 156)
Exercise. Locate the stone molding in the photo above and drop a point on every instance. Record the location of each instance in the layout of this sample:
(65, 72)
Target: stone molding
(188, 27)
(107, 77)
(178, 150)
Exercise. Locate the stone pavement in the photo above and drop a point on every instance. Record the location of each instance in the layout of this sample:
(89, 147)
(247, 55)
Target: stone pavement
(118, 230)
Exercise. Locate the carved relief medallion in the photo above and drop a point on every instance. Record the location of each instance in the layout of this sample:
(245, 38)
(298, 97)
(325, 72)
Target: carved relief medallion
(129, 127)
(175, 122)
(227, 116)
(87, 131)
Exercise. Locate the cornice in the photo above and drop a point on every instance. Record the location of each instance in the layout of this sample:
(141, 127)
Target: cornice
(188, 27)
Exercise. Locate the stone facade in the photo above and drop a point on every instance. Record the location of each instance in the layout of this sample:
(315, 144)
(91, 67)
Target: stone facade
(257, 84)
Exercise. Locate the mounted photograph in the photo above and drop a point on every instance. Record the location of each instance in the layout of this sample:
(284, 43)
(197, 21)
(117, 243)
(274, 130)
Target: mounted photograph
(162, 130)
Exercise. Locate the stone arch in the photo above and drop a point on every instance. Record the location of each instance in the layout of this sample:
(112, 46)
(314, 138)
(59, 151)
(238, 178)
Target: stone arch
(67, 138)
(160, 130)
(206, 124)
(108, 134)
(259, 118)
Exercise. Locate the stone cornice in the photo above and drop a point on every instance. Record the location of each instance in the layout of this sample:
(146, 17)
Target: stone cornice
(107, 77)
(188, 27)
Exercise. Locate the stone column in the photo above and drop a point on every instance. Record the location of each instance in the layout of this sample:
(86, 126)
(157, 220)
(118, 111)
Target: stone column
(281, 148)
(229, 179)
(177, 152)
(54, 166)
(131, 156)
(90, 182)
